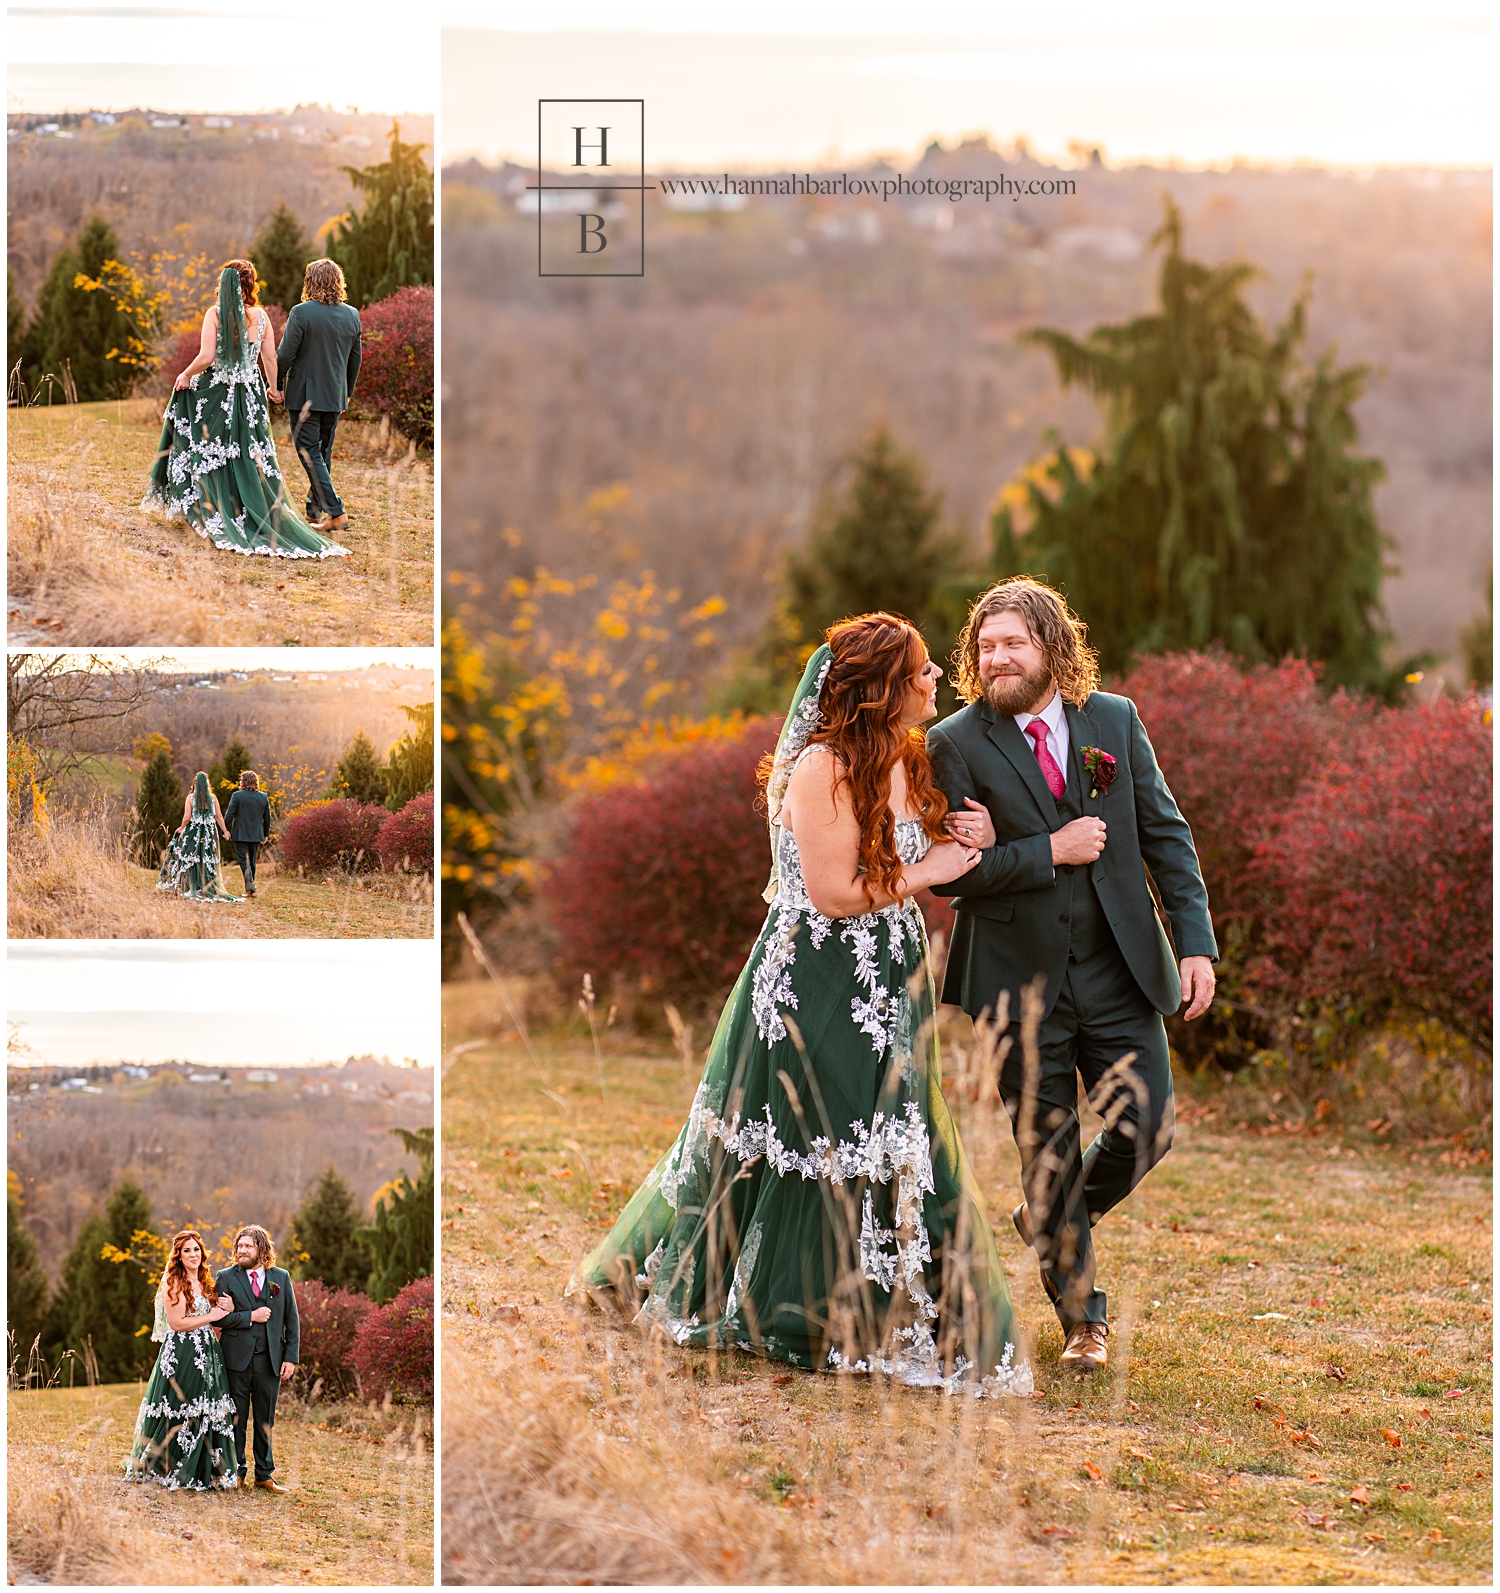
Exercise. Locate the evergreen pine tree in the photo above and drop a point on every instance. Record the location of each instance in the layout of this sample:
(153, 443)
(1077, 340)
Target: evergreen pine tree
(107, 1301)
(360, 773)
(389, 243)
(158, 810)
(1228, 504)
(401, 1237)
(878, 549)
(411, 763)
(77, 328)
(323, 1231)
(25, 1282)
(281, 253)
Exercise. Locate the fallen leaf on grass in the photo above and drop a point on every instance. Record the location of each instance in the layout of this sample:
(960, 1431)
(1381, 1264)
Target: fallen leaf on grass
(508, 1313)
(1374, 1537)
(1455, 1393)
(1403, 1487)
(1055, 1533)
(1136, 1454)
(1310, 1438)
(1436, 1536)
(1338, 1374)
(782, 1380)
(1361, 1495)
(1093, 1471)
(1391, 1437)
(1458, 1521)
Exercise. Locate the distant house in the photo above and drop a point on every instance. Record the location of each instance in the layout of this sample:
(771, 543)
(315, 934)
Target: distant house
(206, 1078)
(218, 121)
(102, 118)
(238, 676)
(283, 677)
(47, 129)
(317, 677)
(74, 1084)
(260, 1076)
(136, 1073)
(166, 121)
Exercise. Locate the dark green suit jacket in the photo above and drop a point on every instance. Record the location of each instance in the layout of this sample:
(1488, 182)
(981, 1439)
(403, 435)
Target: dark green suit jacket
(318, 356)
(237, 1331)
(1008, 928)
(248, 816)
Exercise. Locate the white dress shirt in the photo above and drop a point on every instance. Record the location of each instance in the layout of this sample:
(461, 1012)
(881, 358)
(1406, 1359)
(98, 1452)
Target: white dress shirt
(1056, 721)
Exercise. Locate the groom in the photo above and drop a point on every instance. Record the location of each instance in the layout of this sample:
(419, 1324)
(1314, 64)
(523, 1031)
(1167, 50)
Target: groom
(1057, 782)
(260, 1340)
(319, 356)
(248, 820)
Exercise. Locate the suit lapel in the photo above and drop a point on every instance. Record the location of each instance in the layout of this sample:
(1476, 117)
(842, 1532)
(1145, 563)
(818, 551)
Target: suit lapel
(1081, 733)
(1007, 736)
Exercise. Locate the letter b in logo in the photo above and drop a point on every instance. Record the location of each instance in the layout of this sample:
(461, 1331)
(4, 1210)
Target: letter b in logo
(591, 239)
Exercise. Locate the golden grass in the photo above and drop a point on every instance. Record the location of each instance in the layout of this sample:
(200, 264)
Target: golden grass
(75, 881)
(88, 567)
(1277, 1305)
(361, 1511)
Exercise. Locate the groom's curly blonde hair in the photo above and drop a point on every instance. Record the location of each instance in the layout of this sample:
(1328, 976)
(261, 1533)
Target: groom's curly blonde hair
(323, 280)
(1056, 629)
(265, 1251)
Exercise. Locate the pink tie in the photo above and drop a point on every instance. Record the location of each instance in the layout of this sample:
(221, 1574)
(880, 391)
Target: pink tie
(255, 1276)
(1056, 784)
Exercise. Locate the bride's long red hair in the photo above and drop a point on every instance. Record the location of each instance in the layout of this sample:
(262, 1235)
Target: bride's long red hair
(877, 661)
(179, 1285)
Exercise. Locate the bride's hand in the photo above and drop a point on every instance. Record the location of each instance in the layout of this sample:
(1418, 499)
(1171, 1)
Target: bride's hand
(182, 381)
(973, 827)
(947, 861)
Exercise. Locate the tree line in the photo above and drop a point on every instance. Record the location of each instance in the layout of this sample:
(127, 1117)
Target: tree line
(101, 323)
(360, 773)
(99, 1316)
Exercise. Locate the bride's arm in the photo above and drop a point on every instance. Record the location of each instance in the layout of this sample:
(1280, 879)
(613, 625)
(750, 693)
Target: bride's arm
(181, 1320)
(268, 355)
(187, 813)
(219, 819)
(205, 355)
(821, 817)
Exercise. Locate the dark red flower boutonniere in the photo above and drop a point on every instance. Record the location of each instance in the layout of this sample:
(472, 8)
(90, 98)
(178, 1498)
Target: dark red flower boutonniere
(275, 1290)
(1101, 767)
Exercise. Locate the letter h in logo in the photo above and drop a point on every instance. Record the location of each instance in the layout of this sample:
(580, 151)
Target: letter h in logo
(591, 188)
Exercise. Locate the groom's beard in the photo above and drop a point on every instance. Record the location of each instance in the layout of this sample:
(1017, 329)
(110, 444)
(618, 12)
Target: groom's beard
(1017, 693)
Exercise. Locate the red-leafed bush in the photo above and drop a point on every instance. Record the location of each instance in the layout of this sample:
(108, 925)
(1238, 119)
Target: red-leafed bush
(330, 1319)
(1380, 869)
(392, 1350)
(405, 839)
(662, 881)
(1235, 746)
(396, 369)
(338, 834)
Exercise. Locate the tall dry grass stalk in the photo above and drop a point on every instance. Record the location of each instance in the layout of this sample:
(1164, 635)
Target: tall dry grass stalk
(74, 879)
(71, 575)
(581, 1449)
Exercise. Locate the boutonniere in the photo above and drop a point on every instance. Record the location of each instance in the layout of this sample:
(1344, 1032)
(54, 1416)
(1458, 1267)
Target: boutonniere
(275, 1290)
(1101, 768)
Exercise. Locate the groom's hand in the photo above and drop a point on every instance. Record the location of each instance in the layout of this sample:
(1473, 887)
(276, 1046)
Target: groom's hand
(1197, 985)
(287, 1368)
(262, 1313)
(1080, 841)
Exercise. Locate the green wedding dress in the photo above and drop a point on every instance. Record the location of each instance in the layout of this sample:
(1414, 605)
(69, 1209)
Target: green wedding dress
(216, 464)
(817, 1206)
(191, 865)
(184, 1433)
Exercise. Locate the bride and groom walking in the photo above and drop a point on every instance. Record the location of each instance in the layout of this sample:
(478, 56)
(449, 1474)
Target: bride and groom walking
(818, 1207)
(216, 464)
(190, 864)
(228, 1343)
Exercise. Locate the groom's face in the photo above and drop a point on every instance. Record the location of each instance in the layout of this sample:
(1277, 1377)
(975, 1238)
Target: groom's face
(1013, 672)
(246, 1252)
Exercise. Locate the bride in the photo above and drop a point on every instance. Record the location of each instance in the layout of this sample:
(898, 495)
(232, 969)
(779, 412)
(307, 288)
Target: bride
(216, 464)
(817, 1207)
(184, 1434)
(191, 865)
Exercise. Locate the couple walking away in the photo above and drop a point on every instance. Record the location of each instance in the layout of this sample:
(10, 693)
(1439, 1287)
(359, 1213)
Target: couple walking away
(817, 1207)
(216, 465)
(227, 1346)
(190, 865)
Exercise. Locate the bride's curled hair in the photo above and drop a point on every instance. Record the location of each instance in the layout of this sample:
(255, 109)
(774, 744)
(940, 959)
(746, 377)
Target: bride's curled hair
(180, 1286)
(877, 661)
(249, 283)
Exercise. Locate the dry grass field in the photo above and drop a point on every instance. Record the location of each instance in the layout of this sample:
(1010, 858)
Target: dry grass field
(1299, 1387)
(88, 567)
(360, 1511)
(74, 882)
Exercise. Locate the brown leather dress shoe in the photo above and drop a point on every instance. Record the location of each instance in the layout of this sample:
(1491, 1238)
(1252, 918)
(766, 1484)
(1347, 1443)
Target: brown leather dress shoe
(1022, 1219)
(1085, 1347)
(272, 1484)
